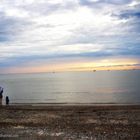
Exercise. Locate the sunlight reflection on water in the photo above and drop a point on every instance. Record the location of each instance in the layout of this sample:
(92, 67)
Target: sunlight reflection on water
(79, 87)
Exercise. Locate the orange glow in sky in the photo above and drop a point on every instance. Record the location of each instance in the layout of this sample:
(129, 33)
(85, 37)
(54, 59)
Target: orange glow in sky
(116, 64)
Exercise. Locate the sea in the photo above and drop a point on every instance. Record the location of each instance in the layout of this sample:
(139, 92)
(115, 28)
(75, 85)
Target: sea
(95, 87)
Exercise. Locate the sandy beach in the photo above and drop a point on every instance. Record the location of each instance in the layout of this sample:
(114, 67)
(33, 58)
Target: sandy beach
(70, 122)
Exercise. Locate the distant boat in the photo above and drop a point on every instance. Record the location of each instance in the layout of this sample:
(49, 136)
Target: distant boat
(94, 70)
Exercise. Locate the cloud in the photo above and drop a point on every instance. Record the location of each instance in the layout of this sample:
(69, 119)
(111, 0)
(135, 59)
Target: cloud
(130, 14)
(32, 30)
(103, 3)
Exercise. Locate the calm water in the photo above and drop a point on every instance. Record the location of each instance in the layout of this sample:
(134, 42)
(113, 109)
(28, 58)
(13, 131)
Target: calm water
(73, 87)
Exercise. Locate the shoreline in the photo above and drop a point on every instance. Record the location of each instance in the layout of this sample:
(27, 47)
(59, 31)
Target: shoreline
(74, 103)
(67, 105)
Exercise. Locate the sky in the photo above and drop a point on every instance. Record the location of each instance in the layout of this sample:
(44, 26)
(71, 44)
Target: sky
(69, 35)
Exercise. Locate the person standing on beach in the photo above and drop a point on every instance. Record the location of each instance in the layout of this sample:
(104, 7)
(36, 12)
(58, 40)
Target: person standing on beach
(7, 100)
(1, 96)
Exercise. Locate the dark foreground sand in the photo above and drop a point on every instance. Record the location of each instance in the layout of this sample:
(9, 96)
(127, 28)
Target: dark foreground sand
(74, 122)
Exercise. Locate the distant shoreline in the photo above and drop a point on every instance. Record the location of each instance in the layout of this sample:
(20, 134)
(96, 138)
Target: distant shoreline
(49, 72)
(75, 104)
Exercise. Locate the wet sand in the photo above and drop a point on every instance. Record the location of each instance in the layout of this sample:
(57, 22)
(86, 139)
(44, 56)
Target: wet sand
(70, 122)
